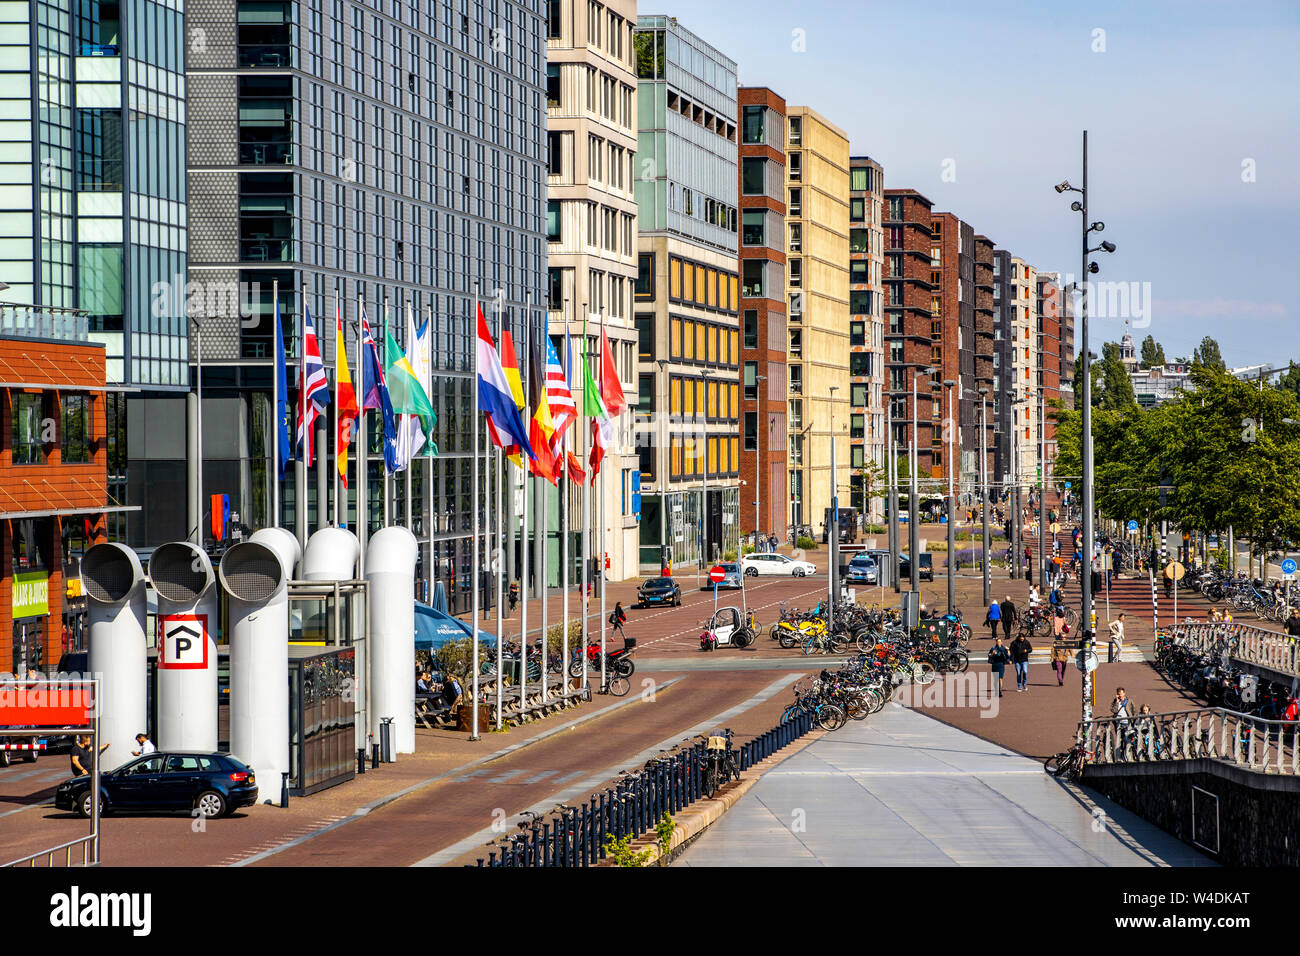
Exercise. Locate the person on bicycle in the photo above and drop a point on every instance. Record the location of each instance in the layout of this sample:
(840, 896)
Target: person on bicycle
(1020, 650)
(618, 617)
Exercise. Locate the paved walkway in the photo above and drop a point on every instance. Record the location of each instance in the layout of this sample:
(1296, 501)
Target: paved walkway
(901, 789)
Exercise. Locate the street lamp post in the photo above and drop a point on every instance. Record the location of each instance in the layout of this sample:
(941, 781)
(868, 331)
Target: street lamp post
(661, 467)
(952, 507)
(914, 494)
(984, 492)
(833, 526)
(198, 432)
(1042, 490)
(1085, 578)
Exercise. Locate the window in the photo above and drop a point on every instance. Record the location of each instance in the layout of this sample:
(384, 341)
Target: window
(554, 153)
(859, 363)
(859, 240)
(796, 273)
(857, 210)
(859, 273)
(857, 333)
(752, 222)
(752, 124)
(861, 302)
(552, 84)
(751, 431)
(645, 336)
(858, 394)
(751, 381)
(796, 166)
(753, 278)
(857, 425)
(675, 278)
(859, 179)
(796, 202)
(753, 176)
(751, 328)
(796, 237)
(76, 429)
(796, 130)
(856, 455)
(555, 289)
(28, 449)
(645, 276)
(553, 220)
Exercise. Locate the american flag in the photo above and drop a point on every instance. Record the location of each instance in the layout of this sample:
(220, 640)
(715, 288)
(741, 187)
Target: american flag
(317, 391)
(564, 411)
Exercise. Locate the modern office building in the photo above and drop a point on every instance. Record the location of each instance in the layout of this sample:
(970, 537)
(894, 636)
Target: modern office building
(687, 295)
(54, 464)
(909, 299)
(591, 213)
(817, 281)
(764, 333)
(867, 440)
(93, 205)
(353, 154)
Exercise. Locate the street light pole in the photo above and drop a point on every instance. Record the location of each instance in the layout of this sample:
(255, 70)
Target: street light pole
(891, 485)
(1042, 490)
(833, 526)
(984, 494)
(952, 508)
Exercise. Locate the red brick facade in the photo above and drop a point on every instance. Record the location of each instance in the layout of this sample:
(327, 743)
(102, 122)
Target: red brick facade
(908, 295)
(41, 504)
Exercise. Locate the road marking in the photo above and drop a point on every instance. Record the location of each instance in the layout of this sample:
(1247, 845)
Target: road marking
(364, 810)
(583, 787)
(538, 776)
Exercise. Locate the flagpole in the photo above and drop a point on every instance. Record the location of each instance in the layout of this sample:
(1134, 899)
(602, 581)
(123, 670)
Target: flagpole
(428, 524)
(523, 527)
(300, 463)
(339, 361)
(498, 539)
(275, 404)
(410, 461)
(362, 442)
(388, 486)
(474, 560)
(600, 508)
(562, 502)
(586, 517)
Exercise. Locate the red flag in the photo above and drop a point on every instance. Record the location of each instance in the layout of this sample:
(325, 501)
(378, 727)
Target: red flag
(347, 398)
(611, 389)
(576, 473)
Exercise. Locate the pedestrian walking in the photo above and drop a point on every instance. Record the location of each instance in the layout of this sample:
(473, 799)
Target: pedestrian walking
(991, 617)
(1116, 645)
(1020, 650)
(618, 617)
(1060, 652)
(1293, 624)
(1033, 596)
(1009, 615)
(998, 658)
(1121, 708)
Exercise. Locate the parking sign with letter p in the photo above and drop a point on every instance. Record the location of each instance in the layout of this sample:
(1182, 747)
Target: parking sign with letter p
(184, 643)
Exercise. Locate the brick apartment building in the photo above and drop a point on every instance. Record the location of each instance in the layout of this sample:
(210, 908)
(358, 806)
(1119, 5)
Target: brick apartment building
(54, 457)
(909, 295)
(985, 330)
(763, 317)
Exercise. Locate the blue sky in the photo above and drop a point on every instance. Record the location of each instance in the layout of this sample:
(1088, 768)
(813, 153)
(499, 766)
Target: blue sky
(1183, 94)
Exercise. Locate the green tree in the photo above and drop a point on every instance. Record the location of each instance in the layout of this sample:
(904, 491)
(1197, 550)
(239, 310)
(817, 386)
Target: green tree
(1290, 382)
(1153, 353)
(1116, 387)
(1208, 354)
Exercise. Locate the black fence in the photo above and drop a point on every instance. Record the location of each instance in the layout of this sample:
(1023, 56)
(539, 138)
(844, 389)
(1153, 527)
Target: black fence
(575, 836)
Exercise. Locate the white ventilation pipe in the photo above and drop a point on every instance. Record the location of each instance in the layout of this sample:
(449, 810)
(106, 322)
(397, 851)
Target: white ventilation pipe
(390, 571)
(331, 555)
(256, 575)
(187, 647)
(118, 655)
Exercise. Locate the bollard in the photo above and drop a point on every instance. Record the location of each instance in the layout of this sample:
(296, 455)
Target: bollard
(284, 789)
(374, 756)
(361, 760)
(386, 738)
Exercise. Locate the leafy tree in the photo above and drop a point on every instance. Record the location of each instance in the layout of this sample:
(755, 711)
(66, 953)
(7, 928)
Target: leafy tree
(1116, 387)
(1153, 353)
(1290, 382)
(1208, 354)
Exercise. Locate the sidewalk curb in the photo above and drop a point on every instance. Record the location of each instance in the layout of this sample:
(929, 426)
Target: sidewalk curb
(366, 808)
(694, 820)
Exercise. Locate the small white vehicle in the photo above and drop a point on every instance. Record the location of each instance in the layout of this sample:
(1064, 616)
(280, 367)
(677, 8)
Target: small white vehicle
(756, 564)
(727, 628)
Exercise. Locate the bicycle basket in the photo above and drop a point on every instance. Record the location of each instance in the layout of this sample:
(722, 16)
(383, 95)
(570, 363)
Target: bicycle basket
(716, 743)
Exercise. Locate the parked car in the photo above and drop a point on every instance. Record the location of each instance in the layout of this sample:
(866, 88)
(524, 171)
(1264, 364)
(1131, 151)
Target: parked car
(731, 582)
(862, 569)
(214, 784)
(659, 590)
(924, 573)
(755, 564)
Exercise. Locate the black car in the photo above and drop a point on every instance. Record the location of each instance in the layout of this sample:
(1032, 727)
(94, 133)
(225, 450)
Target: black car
(924, 573)
(659, 591)
(213, 784)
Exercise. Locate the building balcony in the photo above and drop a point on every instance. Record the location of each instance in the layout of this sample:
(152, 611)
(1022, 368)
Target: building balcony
(40, 322)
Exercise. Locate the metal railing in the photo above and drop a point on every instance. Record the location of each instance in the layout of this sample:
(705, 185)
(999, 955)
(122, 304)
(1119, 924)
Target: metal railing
(1243, 642)
(89, 853)
(1253, 743)
(576, 836)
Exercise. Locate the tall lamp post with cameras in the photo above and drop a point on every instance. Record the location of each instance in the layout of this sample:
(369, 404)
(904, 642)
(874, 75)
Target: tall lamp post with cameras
(952, 505)
(1088, 616)
(914, 492)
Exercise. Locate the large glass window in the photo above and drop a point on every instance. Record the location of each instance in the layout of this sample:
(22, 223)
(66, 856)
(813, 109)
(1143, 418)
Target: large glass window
(645, 335)
(76, 429)
(265, 34)
(266, 217)
(859, 240)
(753, 278)
(265, 120)
(857, 333)
(753, 176)
(751, 328)
(553, 220)
(857, 210)
(858, 394)
(752, 232)
(28, 449)
(645, 276)
(751, 381)
(753, 124)
(859, 179)
(99, 153)
(859, 271)
(552, 84)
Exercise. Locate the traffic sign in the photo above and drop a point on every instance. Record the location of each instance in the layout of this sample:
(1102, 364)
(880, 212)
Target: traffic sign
(1132, 527)
(1288, 566)
(184, 643)
(1067, 486)
(1086, 660)
(718, 574)
(1174, 571)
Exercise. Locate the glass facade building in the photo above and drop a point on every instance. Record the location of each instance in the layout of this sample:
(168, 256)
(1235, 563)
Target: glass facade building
(385, 153)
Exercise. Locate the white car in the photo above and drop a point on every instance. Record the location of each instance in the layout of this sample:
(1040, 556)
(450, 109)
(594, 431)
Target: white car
(756, 564)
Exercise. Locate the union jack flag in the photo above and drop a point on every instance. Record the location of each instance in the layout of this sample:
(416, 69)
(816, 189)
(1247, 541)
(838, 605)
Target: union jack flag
(564, 411)
(316, 395)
